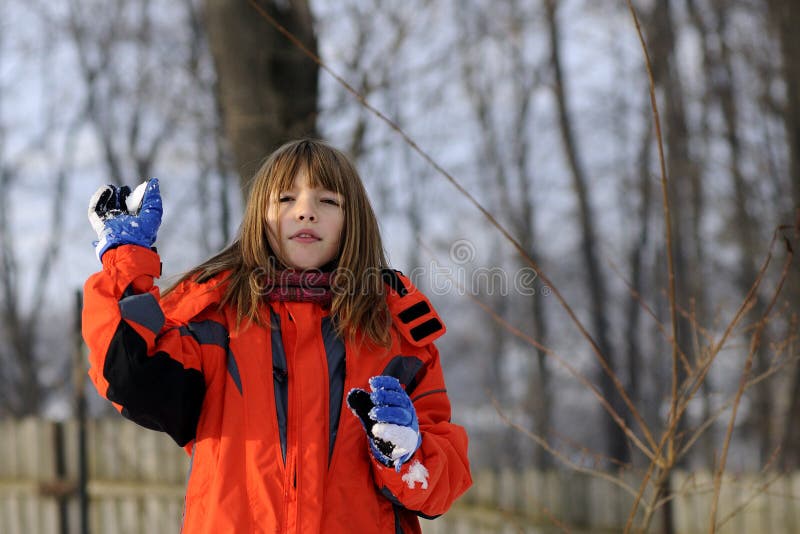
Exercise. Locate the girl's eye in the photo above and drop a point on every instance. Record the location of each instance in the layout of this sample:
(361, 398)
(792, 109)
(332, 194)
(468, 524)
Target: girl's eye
(285, 198)
(331, 201)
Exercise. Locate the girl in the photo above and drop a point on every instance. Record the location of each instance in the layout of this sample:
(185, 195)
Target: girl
(245, 361)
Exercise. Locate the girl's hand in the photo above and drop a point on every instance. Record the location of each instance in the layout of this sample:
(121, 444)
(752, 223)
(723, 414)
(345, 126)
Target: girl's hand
(389, 417)
(122, 217)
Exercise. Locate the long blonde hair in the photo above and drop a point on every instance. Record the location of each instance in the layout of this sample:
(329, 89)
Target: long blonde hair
(358, 305)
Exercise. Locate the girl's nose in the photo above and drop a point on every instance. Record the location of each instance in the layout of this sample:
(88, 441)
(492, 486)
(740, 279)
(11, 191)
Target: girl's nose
(305, 210)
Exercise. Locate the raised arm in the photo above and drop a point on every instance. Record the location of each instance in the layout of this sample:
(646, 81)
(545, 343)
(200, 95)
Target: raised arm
(143, 362)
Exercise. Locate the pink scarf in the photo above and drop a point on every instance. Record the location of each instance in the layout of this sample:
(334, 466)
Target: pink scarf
(305, 286)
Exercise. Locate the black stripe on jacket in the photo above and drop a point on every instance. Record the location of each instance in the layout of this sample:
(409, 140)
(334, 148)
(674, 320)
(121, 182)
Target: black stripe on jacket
(155, 391)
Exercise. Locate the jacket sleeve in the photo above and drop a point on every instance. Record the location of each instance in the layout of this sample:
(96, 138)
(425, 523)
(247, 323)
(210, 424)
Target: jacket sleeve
(438, 473)
(139, 359)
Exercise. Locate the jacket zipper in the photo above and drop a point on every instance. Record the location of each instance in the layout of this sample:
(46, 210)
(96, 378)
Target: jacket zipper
(290, 476)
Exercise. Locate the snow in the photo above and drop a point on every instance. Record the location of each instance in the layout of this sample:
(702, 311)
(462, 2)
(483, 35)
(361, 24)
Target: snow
(134, 200)
(417, 473)
(403, 438)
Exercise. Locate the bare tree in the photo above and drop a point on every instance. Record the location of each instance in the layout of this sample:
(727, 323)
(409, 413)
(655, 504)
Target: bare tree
(267, 86)
(24, 390)
(617, 447)
(634, 351)
(784, 16)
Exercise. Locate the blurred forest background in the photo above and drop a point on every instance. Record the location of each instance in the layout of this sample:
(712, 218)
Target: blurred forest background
(539, 108)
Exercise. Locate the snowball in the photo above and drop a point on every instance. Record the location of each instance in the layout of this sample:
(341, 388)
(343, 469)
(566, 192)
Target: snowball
(403, 438)
(134, 201)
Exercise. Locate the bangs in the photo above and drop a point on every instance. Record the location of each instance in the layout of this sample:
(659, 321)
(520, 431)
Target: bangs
(284, 169)
(324, 166)
(329, 171)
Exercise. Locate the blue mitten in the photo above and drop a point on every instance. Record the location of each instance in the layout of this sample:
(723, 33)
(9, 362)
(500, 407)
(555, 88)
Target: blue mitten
(122, 217)
(389, 418)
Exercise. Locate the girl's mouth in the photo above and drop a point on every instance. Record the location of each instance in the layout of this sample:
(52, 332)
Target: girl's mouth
(305, 236)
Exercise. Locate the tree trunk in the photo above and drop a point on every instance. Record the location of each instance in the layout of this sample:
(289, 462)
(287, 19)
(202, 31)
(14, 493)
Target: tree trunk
(785, 16)
(267, 86)
(682, 181)
(634, 354)
(760, 420)
(617, 445)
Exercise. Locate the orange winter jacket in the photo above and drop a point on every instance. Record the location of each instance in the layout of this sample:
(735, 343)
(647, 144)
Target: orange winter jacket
(262, 410)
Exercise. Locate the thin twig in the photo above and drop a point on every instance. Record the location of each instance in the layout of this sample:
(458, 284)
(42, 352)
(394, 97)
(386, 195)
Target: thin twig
(755, 492)
(756, 342)
(646, 307)
(738, 316)
(556, 454)
(667, 222)
(553, 519)
(669, 436)
(700, 430)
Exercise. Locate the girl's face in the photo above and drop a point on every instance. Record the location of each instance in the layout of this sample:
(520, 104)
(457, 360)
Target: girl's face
(305, 227)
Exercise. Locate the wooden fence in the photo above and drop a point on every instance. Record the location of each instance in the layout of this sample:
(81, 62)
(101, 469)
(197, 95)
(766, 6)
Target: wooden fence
(135, 478)
(135, 481)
